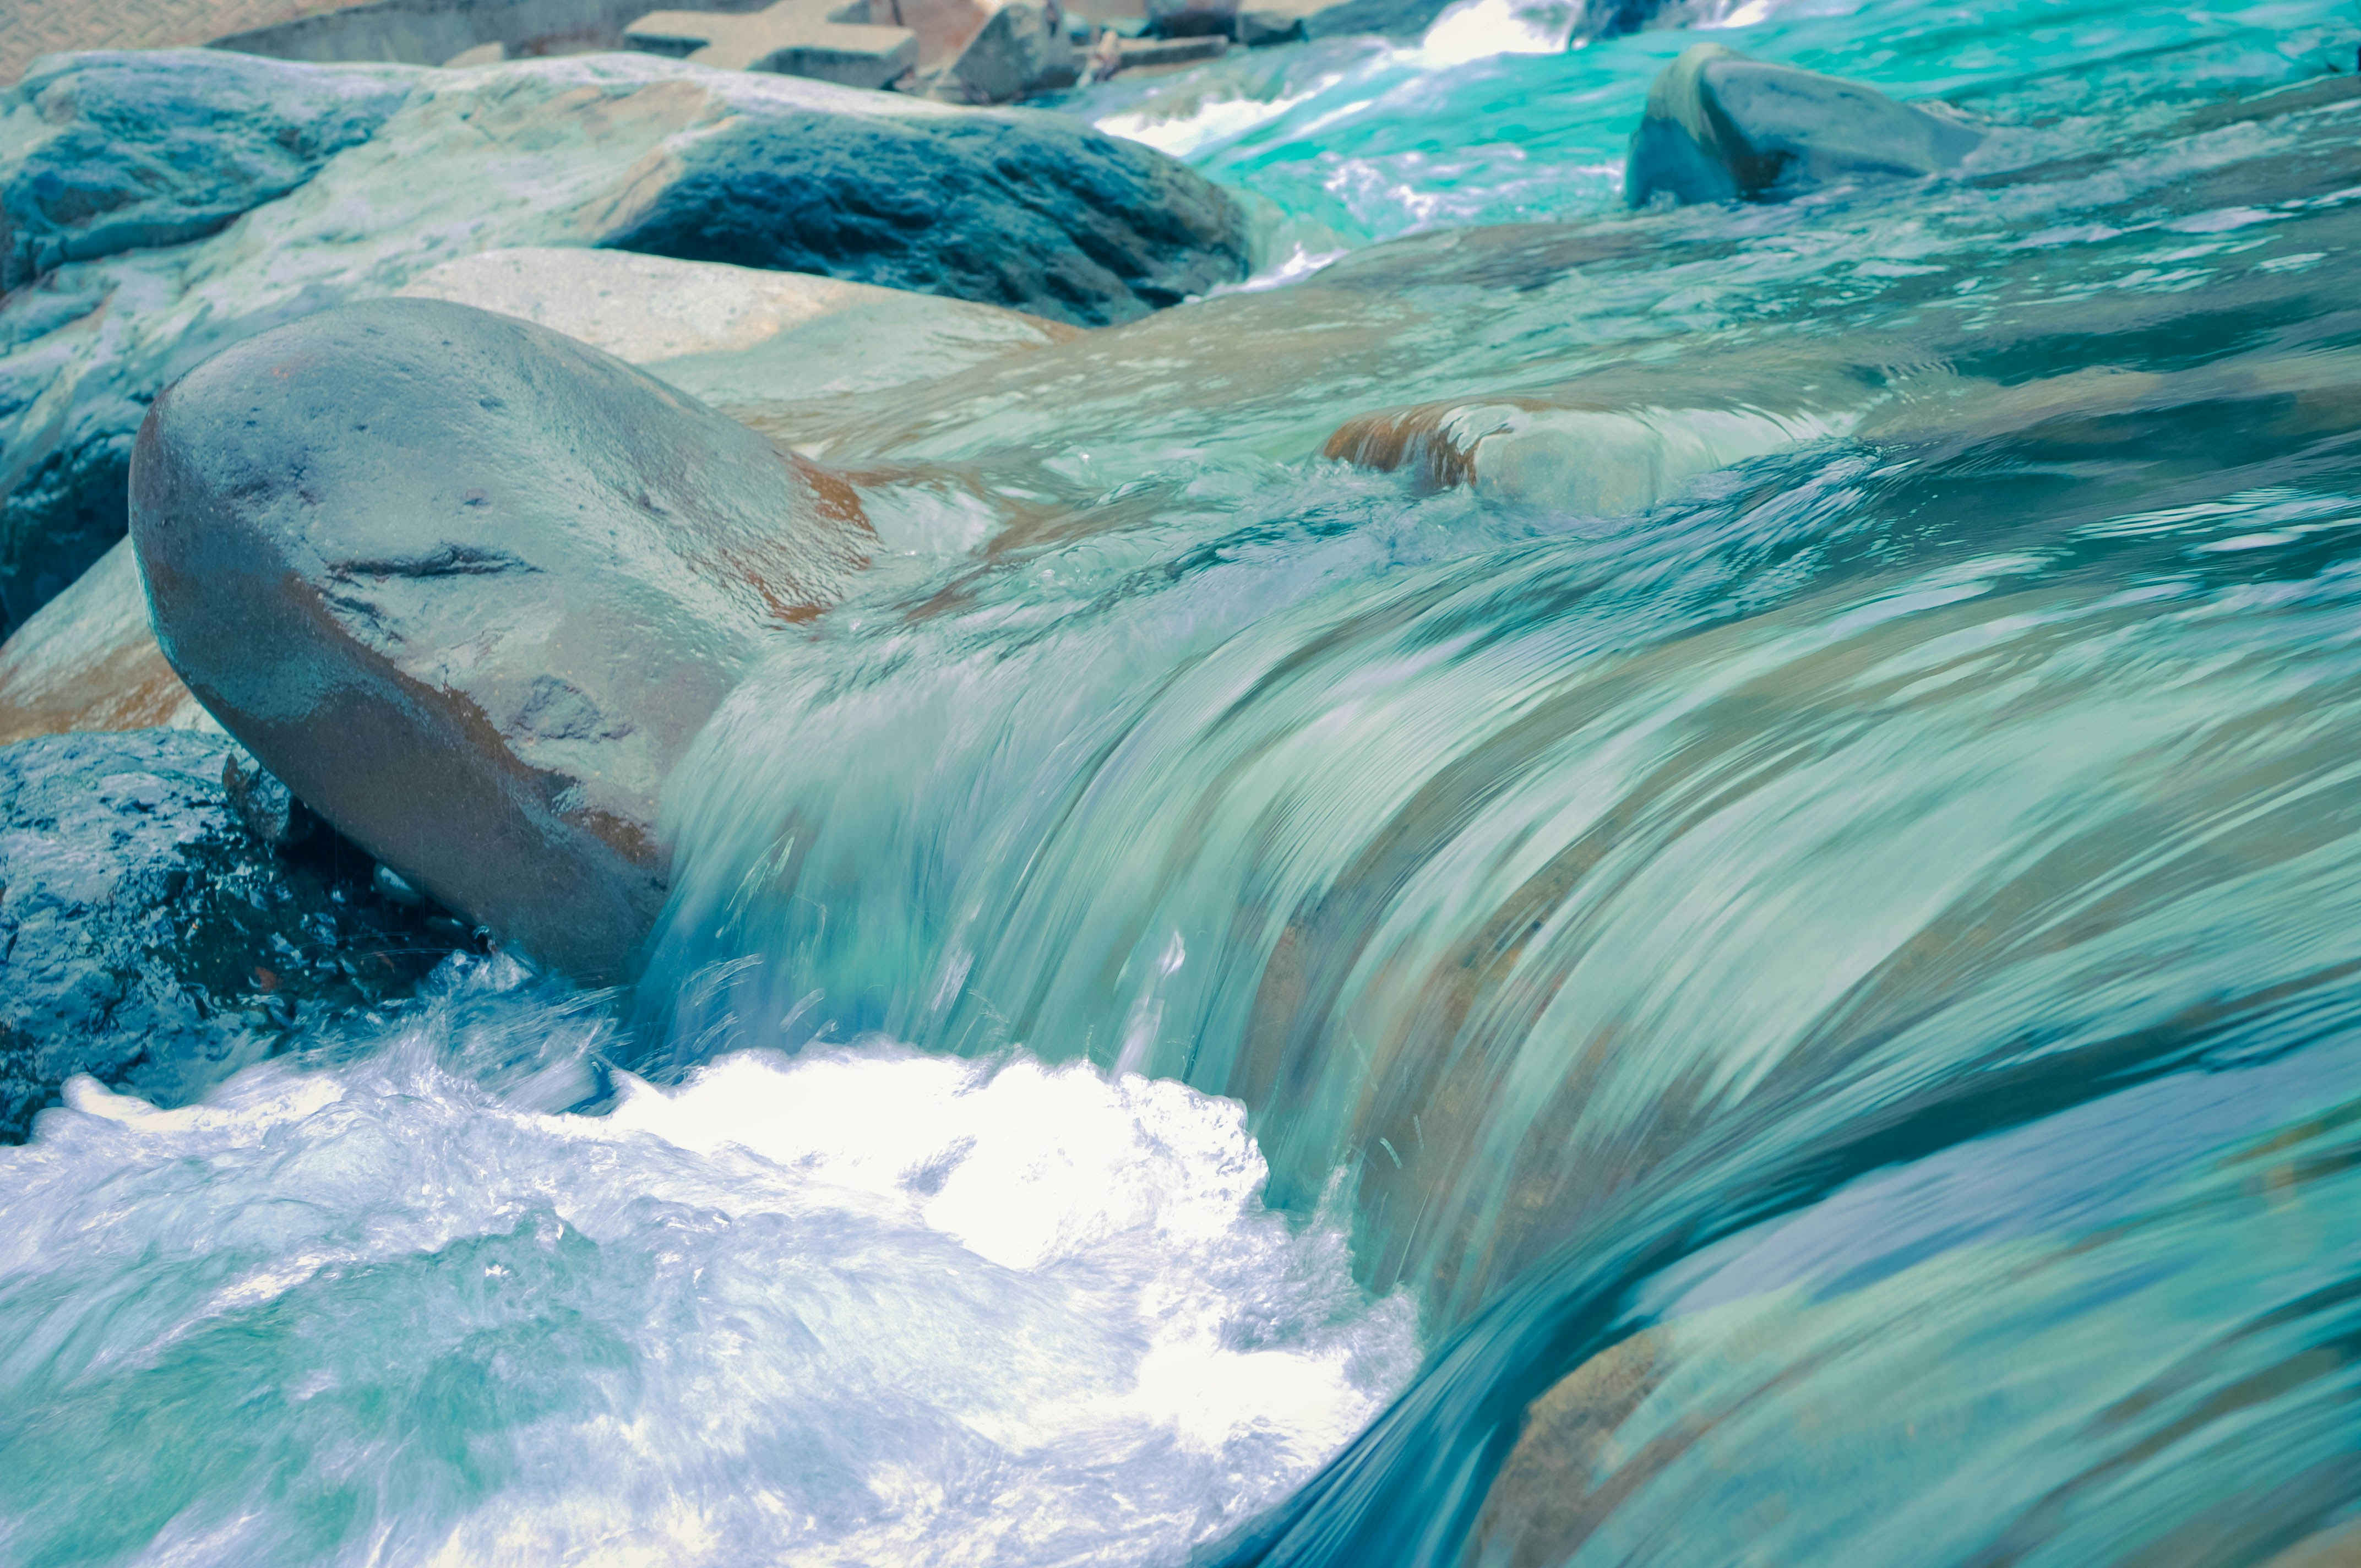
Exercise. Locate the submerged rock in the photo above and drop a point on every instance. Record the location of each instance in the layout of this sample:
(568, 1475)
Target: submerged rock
(148, 938)
(1595, 461)
(469, 587)
(1030, 211)
(1721, 128)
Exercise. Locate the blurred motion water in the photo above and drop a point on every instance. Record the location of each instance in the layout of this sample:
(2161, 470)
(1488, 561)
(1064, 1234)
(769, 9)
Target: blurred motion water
(1805, 911)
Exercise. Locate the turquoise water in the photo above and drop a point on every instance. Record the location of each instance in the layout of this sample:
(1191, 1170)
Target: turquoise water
(1776, 980)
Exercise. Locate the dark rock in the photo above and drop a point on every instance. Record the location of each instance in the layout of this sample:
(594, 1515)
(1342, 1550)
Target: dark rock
(126, 151)
(1003, 206)
(469, 587)
(58, 520)
(146, 938)
(1720, 127)
(269, 809)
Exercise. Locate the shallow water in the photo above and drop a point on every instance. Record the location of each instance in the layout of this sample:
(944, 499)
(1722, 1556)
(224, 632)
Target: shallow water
(1805, 931)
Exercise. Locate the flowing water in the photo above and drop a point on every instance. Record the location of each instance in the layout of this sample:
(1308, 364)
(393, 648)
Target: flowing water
(1777, 980)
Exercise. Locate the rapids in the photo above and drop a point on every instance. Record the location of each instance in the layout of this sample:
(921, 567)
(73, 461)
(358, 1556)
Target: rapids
(1781, 985)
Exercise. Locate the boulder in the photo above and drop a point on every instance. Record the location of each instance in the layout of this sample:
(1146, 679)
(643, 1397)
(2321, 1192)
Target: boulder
(771, 346)
(1594, 461)
(470, 587)
(737, 336)
(1021, 50)
(1036, 214)
(1029, 211)
(1721, 128)
(95, 161)
(88, 661)
(148, 939)
(944, 28)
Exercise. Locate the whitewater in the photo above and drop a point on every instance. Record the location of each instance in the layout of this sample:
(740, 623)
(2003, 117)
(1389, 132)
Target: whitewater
(1786, 992)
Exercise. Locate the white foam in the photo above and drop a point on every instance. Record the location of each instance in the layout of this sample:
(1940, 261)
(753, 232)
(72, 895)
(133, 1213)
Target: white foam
(866, 1307)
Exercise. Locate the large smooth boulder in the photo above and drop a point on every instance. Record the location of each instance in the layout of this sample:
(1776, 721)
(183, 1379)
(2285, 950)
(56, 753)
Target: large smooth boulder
(150, 938)
(1721, 128)
(781, 347)
(1026, 210)
(469, 587)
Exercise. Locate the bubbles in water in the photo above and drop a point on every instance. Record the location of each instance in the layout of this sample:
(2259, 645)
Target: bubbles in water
(858, 1308)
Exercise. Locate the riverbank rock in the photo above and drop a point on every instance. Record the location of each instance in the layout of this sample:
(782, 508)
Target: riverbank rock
(1024, 210)
(469, 587)
(87, 660)
(1721, 128)
(148, 938)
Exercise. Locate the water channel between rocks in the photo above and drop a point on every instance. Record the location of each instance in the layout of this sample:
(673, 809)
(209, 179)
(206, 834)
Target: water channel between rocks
(1776, 980)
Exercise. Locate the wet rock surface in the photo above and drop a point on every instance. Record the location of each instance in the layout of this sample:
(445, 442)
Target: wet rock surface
(1008, 207)
(469, 587)
(1721, 128)
(148, 938)
(104, 153)
(1030, 213)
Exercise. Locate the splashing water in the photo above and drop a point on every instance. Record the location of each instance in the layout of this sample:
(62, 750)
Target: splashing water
(858, 1308)
(1817, 910)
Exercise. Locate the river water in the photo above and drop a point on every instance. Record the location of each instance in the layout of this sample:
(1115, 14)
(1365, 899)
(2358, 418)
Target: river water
(1778, 981)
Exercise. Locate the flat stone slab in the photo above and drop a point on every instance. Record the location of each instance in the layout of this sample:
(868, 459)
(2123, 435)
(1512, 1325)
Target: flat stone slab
(795, 37)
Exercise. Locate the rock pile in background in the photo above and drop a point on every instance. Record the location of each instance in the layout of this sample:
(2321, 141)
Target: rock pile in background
(369, 178)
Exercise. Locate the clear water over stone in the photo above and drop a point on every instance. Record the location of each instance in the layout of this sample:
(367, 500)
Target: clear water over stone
(1809, 929)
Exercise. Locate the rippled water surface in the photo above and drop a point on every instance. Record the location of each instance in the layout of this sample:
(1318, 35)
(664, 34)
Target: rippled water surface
(1775, 980)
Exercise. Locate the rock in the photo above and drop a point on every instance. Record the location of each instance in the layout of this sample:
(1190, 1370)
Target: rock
(479, 54)
(1030, 211)
(1596, 461)
(272, 815)
(944, 28)
(1049, 218)
(1021, 50)
(1140, 54)
(1721, 128)
(758, 343)
(470, 587)
(794, 37)
(148, 940)
(735, 336)
(103, 154)
(88, 661)
(1192, 18)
